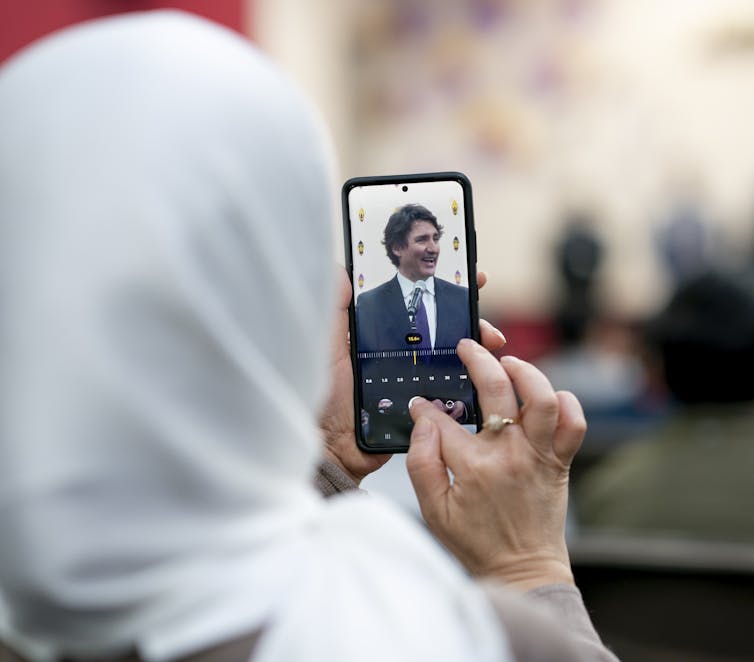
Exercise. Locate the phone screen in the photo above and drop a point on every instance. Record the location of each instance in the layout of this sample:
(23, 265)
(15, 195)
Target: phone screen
(411, 253)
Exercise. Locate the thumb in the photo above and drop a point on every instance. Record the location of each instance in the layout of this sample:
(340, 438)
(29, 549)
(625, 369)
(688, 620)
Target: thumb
(426, 467)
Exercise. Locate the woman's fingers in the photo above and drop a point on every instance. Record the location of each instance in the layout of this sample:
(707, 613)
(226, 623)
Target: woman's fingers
(340, 330)
(492, 338)
(427, 468)
(457, 411)
(494, 388)
(344, 289)
(571, 427)
(450, 431)
(540, 408)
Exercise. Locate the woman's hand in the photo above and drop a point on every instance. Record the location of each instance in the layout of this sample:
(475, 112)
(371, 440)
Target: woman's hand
(337, 419)
(503, 513)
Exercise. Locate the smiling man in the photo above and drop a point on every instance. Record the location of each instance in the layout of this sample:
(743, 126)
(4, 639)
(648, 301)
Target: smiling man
(408, 322)
(392, 315)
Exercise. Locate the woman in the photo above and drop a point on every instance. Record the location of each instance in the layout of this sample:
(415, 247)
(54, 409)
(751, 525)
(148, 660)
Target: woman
(166, 277)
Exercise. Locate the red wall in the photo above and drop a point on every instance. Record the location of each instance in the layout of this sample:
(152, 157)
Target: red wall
(23, 21)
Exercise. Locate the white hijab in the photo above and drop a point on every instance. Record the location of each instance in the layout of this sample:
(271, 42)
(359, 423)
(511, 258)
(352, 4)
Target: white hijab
(165, 279)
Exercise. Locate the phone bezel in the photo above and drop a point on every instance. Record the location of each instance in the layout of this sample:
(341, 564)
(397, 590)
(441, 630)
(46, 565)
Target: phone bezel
(471, 257)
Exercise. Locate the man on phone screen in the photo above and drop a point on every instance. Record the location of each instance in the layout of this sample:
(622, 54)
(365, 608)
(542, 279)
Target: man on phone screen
(386, 319)
(416, 314)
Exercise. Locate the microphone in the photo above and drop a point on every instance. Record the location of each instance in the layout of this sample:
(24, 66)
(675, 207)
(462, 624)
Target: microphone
(421, 286)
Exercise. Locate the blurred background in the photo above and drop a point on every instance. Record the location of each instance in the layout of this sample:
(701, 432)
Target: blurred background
(611, 150)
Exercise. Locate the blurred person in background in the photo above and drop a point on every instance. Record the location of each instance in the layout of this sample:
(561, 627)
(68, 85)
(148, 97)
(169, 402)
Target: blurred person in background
(578, 257)
(691, 477)
(686, 241)
(162, 372)
(595, 358)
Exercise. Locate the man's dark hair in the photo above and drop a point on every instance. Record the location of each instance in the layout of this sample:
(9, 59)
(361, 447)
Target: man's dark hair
(399, 226)
(705, 337)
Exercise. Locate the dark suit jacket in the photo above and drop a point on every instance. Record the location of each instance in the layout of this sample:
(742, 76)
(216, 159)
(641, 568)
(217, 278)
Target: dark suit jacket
(382, 320)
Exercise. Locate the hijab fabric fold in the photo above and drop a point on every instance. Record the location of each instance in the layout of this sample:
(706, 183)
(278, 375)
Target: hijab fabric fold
(166, 286)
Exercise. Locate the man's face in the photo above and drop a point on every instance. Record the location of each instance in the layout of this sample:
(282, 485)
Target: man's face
(418, 258)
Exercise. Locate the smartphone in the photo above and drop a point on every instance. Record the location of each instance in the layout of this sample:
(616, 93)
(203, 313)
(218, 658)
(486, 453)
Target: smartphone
(411, 255)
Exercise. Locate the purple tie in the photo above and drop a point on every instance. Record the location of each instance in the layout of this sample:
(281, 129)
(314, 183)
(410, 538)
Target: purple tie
(422, 326)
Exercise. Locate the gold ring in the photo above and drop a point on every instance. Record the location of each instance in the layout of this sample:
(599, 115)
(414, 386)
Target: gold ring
(496, 423)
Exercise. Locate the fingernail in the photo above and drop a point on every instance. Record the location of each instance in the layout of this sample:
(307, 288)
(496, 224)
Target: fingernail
(499, 334)
(414, 400)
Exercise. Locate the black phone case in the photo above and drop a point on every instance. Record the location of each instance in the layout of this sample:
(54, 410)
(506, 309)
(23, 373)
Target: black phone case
(471, 256)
